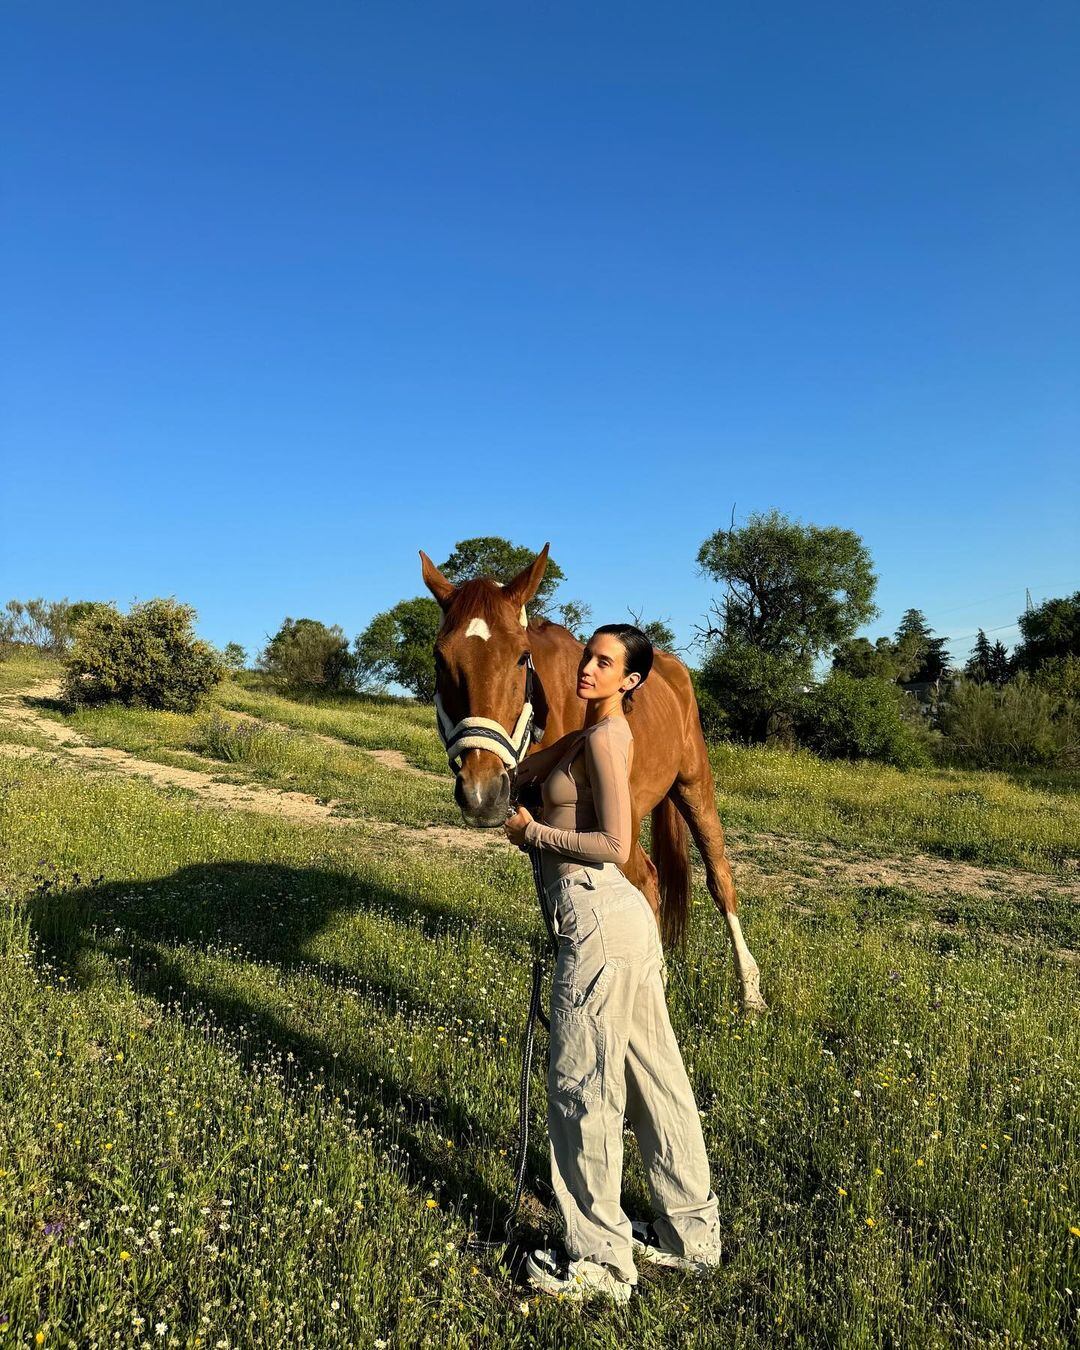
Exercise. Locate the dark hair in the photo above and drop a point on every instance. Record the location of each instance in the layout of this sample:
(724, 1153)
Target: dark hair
(638, 659)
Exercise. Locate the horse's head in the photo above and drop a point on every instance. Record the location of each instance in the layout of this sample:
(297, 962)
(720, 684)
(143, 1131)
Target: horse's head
(488, 701)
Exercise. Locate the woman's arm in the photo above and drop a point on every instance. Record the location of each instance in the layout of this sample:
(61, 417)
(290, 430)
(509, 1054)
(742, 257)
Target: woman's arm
(540, 763)
(607, 752)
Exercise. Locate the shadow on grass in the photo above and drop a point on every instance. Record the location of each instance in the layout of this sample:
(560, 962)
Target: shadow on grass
(140, 933)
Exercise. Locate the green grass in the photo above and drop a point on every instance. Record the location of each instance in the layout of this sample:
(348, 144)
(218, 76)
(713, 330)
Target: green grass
(277, 1067)
(273, 756)
(966, 815)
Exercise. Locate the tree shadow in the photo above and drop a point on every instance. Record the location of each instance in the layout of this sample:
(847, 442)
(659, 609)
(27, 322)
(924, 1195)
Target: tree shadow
(273, 914)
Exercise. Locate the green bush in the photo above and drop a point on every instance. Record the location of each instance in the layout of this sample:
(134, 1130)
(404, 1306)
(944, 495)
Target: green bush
(148, 658)
(306, 654)
(1019, 724)
(849, 718)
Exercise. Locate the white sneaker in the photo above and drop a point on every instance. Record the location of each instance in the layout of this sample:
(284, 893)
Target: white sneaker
(553, 1272)
(647, 1244)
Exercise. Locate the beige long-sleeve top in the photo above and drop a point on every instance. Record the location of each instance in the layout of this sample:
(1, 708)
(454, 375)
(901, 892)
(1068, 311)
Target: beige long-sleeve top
(587, 813)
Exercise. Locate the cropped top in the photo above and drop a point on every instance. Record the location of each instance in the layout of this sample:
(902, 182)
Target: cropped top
(587, 814)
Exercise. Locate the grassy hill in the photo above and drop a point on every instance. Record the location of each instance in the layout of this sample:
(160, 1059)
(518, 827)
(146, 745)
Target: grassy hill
(259, 1079)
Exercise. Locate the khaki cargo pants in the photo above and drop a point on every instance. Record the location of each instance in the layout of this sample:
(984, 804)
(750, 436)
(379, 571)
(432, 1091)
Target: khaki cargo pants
(613, 1052)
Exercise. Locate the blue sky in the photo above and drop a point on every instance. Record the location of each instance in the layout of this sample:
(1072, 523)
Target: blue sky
(291, 291)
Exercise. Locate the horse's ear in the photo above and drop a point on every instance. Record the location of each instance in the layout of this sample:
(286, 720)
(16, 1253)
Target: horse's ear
(434, 580)
(525, 585)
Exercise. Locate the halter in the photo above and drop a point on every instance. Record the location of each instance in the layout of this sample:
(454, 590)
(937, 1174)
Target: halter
(481, 733)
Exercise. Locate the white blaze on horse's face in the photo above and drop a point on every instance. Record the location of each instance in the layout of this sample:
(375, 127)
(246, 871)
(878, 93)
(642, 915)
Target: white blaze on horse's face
(478, 628)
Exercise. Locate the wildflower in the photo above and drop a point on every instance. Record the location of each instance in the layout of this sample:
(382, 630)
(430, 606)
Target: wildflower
(523, 1308)
(919, 1162)
(40, 1338)
(841, 1191)
(878, 1172)
(125, 1256)
(432, 1204)
(870, 1222)
(1075, 1231)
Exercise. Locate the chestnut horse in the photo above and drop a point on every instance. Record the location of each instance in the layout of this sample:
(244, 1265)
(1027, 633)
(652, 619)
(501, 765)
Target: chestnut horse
(486, 653)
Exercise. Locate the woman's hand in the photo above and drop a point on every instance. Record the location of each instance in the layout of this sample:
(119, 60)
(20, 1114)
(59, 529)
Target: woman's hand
(515, 827)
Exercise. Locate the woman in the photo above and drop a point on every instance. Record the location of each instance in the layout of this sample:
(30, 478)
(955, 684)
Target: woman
(612, 1049)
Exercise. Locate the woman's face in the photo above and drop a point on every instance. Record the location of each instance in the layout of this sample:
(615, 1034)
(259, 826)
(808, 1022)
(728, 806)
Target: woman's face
(602, 668)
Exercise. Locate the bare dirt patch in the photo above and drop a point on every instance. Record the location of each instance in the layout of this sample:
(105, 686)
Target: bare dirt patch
(301, 807)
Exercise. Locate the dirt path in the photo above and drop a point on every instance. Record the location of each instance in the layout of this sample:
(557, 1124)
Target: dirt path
(301, 807)
(788, 864)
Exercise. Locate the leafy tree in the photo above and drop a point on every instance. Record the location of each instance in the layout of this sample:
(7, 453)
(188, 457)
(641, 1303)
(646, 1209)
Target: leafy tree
(978, 665)
(858, 717)
(306, 654)
(149, 658)
(45, 625)
(233, 656)
(575, 615)
(499, 559)
(657, 631)
(867, 660)
(398, 645)
(793, 591)
(1060, 676)
(921, 656)
(1052, 629)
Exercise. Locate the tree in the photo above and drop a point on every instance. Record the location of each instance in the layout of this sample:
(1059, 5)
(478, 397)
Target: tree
(1001, 665)
(306, 654)
(923, 658)
(864, 659)
(978, 665)
(43, 624)
(499, 559)
(148, 658)
(1052, 629)
(575, 615)
(233, 656)
(657, 631)
(793, 591)
(399, 644)
(851, 717)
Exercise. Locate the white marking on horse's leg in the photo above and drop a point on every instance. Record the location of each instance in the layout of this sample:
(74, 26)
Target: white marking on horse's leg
(745, 966)
(478, 628)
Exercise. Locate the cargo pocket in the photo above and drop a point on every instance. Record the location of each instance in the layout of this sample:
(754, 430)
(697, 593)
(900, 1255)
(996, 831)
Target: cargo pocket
(576, 1064)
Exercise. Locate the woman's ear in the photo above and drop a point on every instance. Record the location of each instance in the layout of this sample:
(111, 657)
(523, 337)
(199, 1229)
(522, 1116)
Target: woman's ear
(636, 677)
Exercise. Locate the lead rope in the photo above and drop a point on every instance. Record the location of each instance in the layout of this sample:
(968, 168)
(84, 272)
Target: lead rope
(536, 1014)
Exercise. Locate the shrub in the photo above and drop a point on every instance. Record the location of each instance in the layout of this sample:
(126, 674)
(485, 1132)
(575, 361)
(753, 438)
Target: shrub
(849, 718)
(239, 742)
(147, 658)
(306, 654)
(1019, 724)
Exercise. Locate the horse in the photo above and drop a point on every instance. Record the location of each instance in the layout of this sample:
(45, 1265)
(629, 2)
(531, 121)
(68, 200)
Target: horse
(505, 679)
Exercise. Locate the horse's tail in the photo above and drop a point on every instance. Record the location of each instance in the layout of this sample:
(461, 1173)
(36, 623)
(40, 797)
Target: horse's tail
(671, 854)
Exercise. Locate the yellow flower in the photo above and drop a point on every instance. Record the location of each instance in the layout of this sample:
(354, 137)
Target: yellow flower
(841, 1191)
(919, 1162)
(125, 1256)
(878, 1172)
(870, 1222)
(1075, 1232)
(40, 1338)
(433, 1204)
